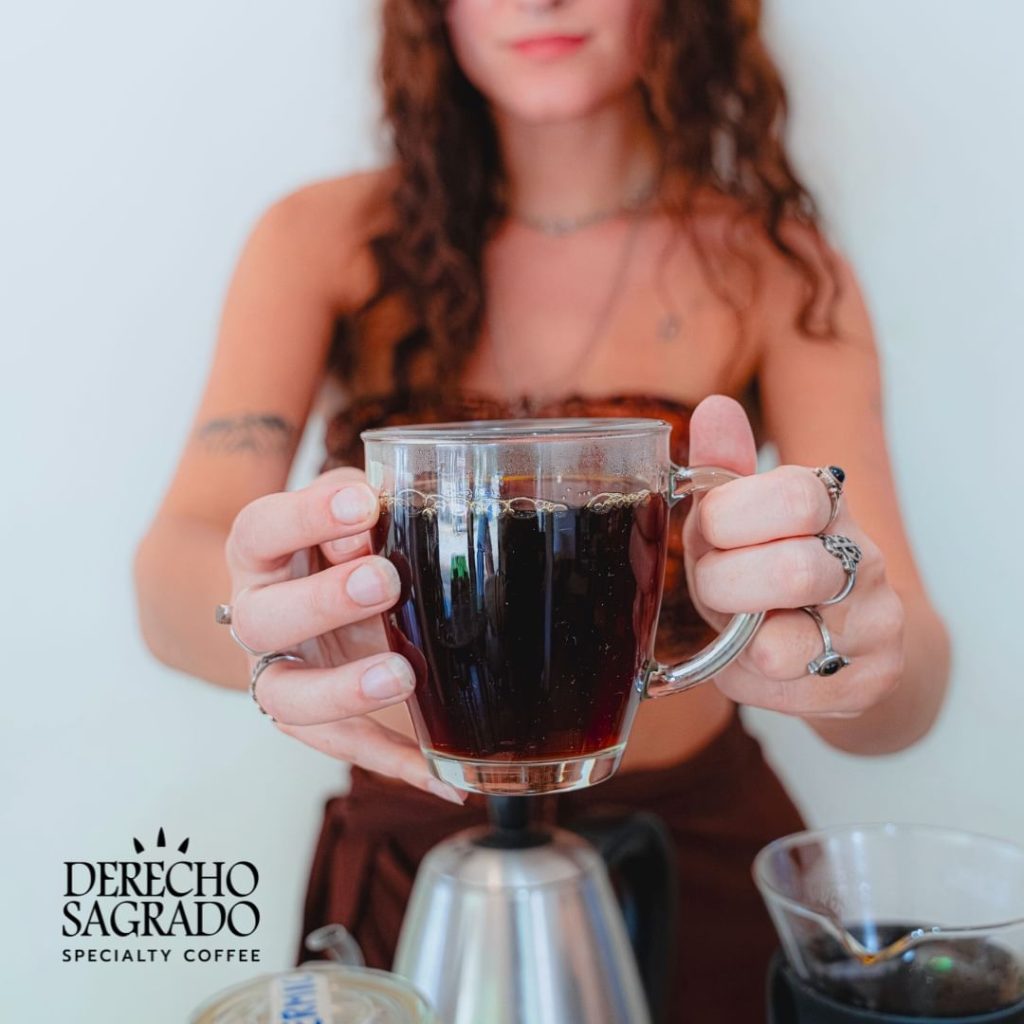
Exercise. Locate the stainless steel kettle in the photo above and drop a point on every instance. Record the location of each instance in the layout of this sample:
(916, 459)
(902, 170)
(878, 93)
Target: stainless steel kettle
(519, 924)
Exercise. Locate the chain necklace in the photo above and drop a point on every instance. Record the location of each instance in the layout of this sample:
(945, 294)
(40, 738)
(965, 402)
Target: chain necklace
(560, 226)
(527, 405)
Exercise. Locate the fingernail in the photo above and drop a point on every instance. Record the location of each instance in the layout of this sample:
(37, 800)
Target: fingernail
(369, 585)
(346, 545)
(446, 792)
(352, 505)
(389, 678)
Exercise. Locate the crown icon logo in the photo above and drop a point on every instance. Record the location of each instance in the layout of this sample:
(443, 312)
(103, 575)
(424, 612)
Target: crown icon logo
(161, 842)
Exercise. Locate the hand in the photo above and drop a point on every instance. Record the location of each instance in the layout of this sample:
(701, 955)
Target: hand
(751, 545)
(304, 580)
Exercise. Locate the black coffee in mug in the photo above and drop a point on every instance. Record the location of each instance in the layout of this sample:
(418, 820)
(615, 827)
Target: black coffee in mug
(533, 617)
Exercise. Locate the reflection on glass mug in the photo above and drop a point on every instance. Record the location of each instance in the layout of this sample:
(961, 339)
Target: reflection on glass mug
(532, 558)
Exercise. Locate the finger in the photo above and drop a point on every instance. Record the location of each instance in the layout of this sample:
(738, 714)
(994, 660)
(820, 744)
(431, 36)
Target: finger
(346, 549)
(647, 549)
(650, 518)
(786, 502)
(787, 642)
(270, 529)
(373, 746)
(788, 573)
(862, 684)
(721, 435)
(300, 695)
(284, 614)
(772, 672)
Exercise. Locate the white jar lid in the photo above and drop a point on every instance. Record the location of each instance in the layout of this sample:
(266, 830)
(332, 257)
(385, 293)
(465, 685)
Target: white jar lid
(319, 992)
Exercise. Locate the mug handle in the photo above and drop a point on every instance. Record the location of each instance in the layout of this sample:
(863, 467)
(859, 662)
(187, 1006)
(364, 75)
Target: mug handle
(659, 679)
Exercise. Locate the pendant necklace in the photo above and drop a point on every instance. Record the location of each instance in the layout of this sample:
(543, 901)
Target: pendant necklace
(527, 405)
(670, 323)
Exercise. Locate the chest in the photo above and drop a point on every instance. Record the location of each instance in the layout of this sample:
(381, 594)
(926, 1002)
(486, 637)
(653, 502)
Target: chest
(624, 307)
(627, 306)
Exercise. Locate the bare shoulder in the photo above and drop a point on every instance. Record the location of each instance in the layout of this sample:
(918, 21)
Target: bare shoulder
(790, 280)
(782, 257)
(325, 226)
(349, 200)
(806, 285)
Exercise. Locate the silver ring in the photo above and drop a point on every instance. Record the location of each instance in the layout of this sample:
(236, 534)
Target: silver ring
(833, 477)
(223, 614)
(829, 662)
(263, 662)
(849, 554)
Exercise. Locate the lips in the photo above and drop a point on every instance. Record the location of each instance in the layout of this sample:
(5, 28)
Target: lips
(543, 47)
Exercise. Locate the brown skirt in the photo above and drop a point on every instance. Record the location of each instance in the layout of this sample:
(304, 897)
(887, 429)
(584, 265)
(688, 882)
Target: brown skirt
(721, 806)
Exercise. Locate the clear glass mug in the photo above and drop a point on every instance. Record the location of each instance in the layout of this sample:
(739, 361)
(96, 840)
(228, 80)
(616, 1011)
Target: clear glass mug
(532, 558)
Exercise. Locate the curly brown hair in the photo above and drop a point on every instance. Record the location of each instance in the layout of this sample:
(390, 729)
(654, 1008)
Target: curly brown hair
(717, 104)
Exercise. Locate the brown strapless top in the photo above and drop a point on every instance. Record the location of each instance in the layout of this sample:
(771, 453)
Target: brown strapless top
(681, 630)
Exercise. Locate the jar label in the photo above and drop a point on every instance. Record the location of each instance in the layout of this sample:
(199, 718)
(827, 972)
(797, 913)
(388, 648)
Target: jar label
(301, 997)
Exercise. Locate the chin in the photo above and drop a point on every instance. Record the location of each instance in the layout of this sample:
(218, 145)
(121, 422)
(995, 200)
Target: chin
(553, 100)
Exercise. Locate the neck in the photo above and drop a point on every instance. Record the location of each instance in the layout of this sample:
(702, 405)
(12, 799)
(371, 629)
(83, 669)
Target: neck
(570, 168)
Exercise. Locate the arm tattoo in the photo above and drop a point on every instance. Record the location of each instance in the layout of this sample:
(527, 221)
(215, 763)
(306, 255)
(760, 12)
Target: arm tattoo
(258, 433)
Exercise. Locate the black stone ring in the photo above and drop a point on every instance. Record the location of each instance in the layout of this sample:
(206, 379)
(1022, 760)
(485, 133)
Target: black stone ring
(829, 662)
(833, 477)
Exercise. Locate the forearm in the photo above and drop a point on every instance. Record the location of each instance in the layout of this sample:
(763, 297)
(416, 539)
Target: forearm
(180, 577)
(909, 711)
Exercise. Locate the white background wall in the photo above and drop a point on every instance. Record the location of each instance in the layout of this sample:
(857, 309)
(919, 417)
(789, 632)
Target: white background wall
(140, 143)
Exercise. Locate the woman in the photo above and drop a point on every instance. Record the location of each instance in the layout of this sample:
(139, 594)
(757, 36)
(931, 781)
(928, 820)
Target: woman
(590, 212)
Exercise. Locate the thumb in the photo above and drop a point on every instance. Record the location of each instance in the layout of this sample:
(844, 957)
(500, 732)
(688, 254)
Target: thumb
(721, 435)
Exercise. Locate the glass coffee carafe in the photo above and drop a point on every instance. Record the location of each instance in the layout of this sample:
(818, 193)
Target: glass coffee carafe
(900, 921)
(532, 557)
